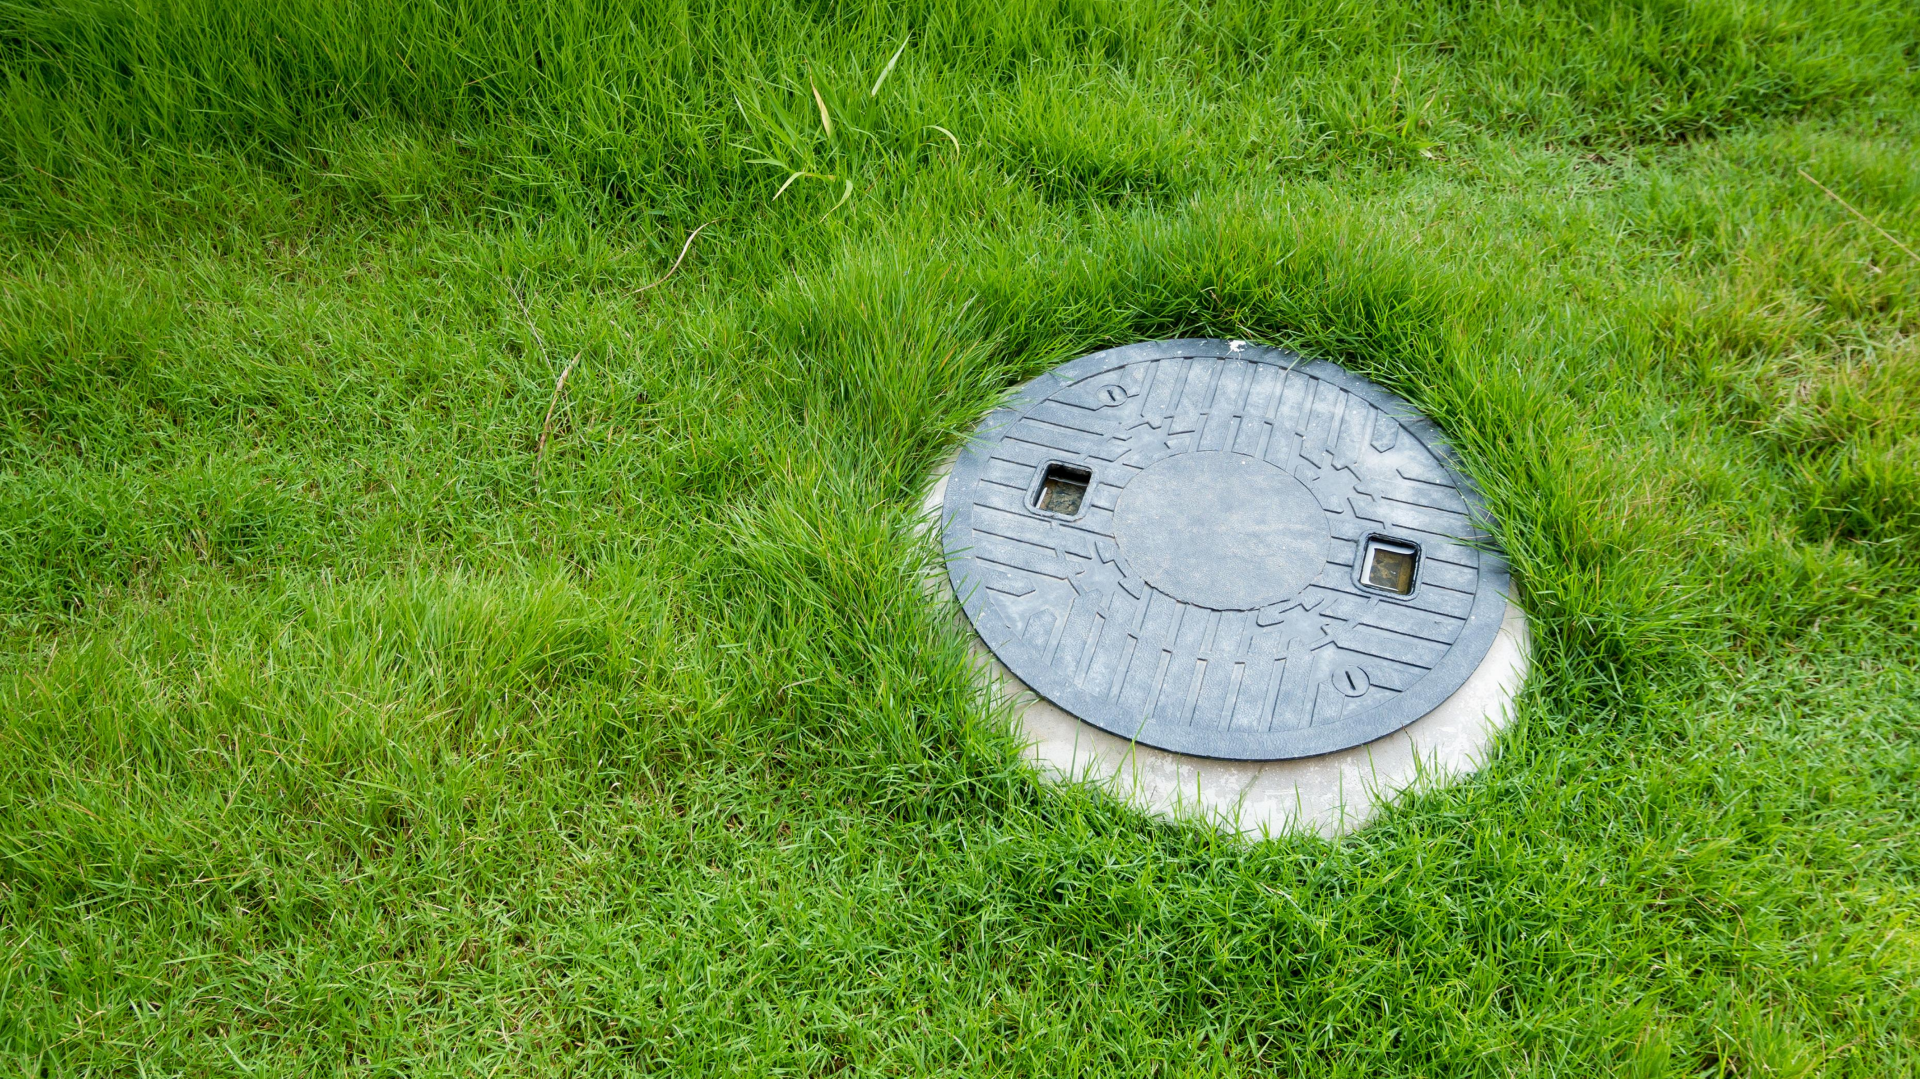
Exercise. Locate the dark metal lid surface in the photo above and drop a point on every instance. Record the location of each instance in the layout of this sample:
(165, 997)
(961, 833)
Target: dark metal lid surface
(1222, 549)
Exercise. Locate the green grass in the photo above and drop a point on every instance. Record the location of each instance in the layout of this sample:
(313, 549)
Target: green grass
(345, 730)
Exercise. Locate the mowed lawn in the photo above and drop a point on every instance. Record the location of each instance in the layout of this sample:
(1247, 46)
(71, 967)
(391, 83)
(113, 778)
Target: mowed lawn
(448, 633)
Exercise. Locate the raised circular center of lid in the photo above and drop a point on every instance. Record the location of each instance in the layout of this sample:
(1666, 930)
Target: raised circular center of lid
(1222, 530)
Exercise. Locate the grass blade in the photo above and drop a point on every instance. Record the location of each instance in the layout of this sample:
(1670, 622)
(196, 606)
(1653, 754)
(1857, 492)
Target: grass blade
(888, 70)
(1891, 238)
(844, 196)
(826, 121)
(546, 425)
(686, 247)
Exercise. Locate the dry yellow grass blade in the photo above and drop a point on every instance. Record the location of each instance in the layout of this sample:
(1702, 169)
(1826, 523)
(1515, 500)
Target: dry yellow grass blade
(825, 120)
(684, 248)
(1891, 238)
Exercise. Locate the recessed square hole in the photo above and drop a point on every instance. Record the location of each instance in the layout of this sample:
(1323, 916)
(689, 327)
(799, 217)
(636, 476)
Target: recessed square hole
(1389, 565)
(1063, 489)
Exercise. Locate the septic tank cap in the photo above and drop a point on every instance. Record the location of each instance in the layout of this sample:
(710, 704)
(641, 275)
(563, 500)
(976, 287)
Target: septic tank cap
(1221, 549)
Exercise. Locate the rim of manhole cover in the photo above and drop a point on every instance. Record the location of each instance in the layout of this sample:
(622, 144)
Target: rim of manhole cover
(1222, 549)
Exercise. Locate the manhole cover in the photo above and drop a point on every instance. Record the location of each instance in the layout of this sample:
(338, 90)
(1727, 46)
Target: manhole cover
(1223, 550)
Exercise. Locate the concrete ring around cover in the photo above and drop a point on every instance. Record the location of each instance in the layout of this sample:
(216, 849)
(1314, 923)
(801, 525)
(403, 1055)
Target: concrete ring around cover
(1330, 794)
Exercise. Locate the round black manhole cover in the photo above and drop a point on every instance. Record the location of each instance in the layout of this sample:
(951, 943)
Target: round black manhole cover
(1222, 549)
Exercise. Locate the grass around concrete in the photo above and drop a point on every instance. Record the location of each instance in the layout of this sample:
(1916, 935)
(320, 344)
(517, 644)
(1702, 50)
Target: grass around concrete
(375, 701)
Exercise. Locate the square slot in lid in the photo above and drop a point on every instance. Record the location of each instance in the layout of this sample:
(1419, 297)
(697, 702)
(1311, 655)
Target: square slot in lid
(1063, 489)
(1390, 565)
